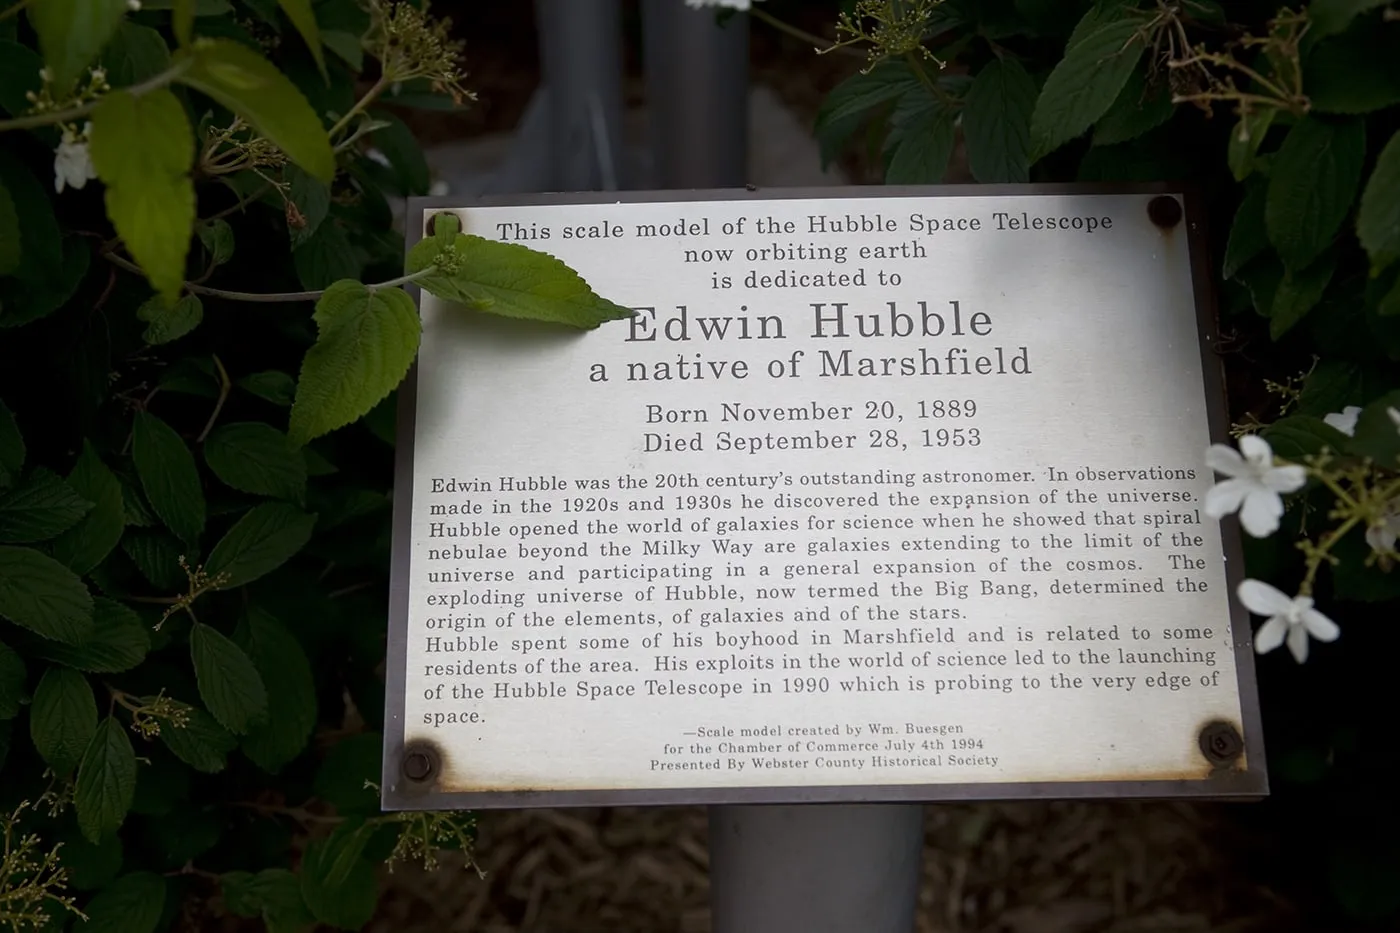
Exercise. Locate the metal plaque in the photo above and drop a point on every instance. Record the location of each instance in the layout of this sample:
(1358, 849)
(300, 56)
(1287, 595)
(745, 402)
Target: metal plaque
(881, 494)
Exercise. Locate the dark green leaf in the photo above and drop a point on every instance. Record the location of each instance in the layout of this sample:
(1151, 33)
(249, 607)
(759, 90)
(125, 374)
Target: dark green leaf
(88, 543)
(366, 342)
(1378, 222)
(168, 476)
(256, 458)
(1247, 236)
(118, 642)
(264, 539)
(1333, 16)
(63, 719)
(310, 203)
(169, 322)
(90, 866)
(996, 122)
(72, 32)
(10, 253)
(1312, 182)
(273, 893)
(201, 743)
(131, 904)
(405, 155)
(1101, 55)
(42, 595)
(143, 148)
(41, 244)
(228, 682)
(276, 387)
(1298, 293)
(921, 152)
(157, 555)
(347, 45)
(43, 507)
(850, 103)
(12, 677)
(1377, 436)
(1299, 436)
(1334, 384)
(326, 258)
(1389, 306)
(19, 76)
(291, 692)
(1139, 107)
(1355, 73)
(338, 882)
(1245, 140)
(106, 781)
(250, 86)
(135, 54)
(350, 765)
(217, 237)
(11, 448)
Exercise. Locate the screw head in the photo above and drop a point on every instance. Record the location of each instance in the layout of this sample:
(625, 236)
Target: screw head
(417, 766)
(1221, 743)
(1164, 211)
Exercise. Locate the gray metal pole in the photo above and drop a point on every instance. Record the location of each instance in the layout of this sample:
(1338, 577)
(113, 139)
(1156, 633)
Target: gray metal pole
(697, 77)
(815, 868)
(820, 868)
(581, 45)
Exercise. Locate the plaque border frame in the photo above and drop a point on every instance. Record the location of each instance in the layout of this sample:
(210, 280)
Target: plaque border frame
(1249, 782)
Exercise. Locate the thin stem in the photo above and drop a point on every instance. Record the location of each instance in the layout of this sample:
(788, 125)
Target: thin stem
(941, 95)
(225, 386)
(242, 203)
(76, 113)
(14, 10)
(819, 44)
(370, 97)
(271, 297)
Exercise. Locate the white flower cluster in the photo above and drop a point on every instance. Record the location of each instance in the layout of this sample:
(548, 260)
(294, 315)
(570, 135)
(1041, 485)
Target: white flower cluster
(1253, 486)
(72, 165)
(732, 4)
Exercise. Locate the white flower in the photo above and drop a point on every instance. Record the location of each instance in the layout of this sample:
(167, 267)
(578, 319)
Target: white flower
(133, 5)
(1383, 532)
(1253, 485)
(72, 165)
(732, 4)
(1344, 420)
(1394, 417)
(45, 76)
(1292, 619)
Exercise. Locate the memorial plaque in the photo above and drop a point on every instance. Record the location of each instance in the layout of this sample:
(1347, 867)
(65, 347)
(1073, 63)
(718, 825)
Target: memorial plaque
(882, 494)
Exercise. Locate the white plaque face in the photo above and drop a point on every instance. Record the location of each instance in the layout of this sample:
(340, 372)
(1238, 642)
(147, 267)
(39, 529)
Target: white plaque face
(881, 495)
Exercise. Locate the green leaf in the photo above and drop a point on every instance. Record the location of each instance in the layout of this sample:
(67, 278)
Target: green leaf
(849, 104)
(167, 322)
(168, 476)
(1245, 140)
(1137, 109)
(1376, 435)
(407, 165)
(11, 448)
(12, 677)
(1354, 73)
(72, 32)
(264, 539)
(201, 743)
(326, 258)
(1333, 16)
(42, 595)
(43, 507)
(88, 543)
(347, 45)
(256, 458)
(135, 54)
(228, 682)
(1247, 236)
(9, 233)
(1101, 55)
(250, 86)
(119, 642)
(921, 152)
(89, 865)
(366, 342)
(1312, 182)
(217, 237)
(1378, 221)
(349, 765)
(996, 122)
(157, 555)
(143, 148)
(337, 881)
(510, 280)
(106, 781)
(132, 904)
(291, 692)
(40, 284)
(311, 199)
(303, 17)
(1298, 293)
(19, 75)
(63, 719)
(1299, 436)
(182, 20)
(279, 388)
(273, 893)
(1389, 306)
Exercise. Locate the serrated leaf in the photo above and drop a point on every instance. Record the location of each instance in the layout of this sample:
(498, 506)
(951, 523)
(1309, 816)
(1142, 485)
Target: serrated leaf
(1299, 436)
(256, 458)
(201, 743)
(132, 904)
(366, 342)
(1247, 236)
(168, 476)
(407, 164)
(1312, 181)
(217, 237)
(88, 543)
(291, 692)
(1298, 293)
(1378, 221)
(119, 642)
(1100, 57)
(229, 684)
(849, 104)
(156, 555)
(106, 781)
(72, 33)
(276, 387)
(264, 539)
(326, 257)
(12, 450)
(1333, 16)
(337, 881)
(996, 122)
(348, 766)
(921, 151)
(10, 253)
(513, 281)
(42, 595)
(41, 508)
(1376, 434)
(135, 54)
(250, 86)
(63, 718)
(1139, 107)
(12, 677)
(310, 203)
(1354, 73)
(1245, 140)
(143, 148)
(169, 322)
(273, 893)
